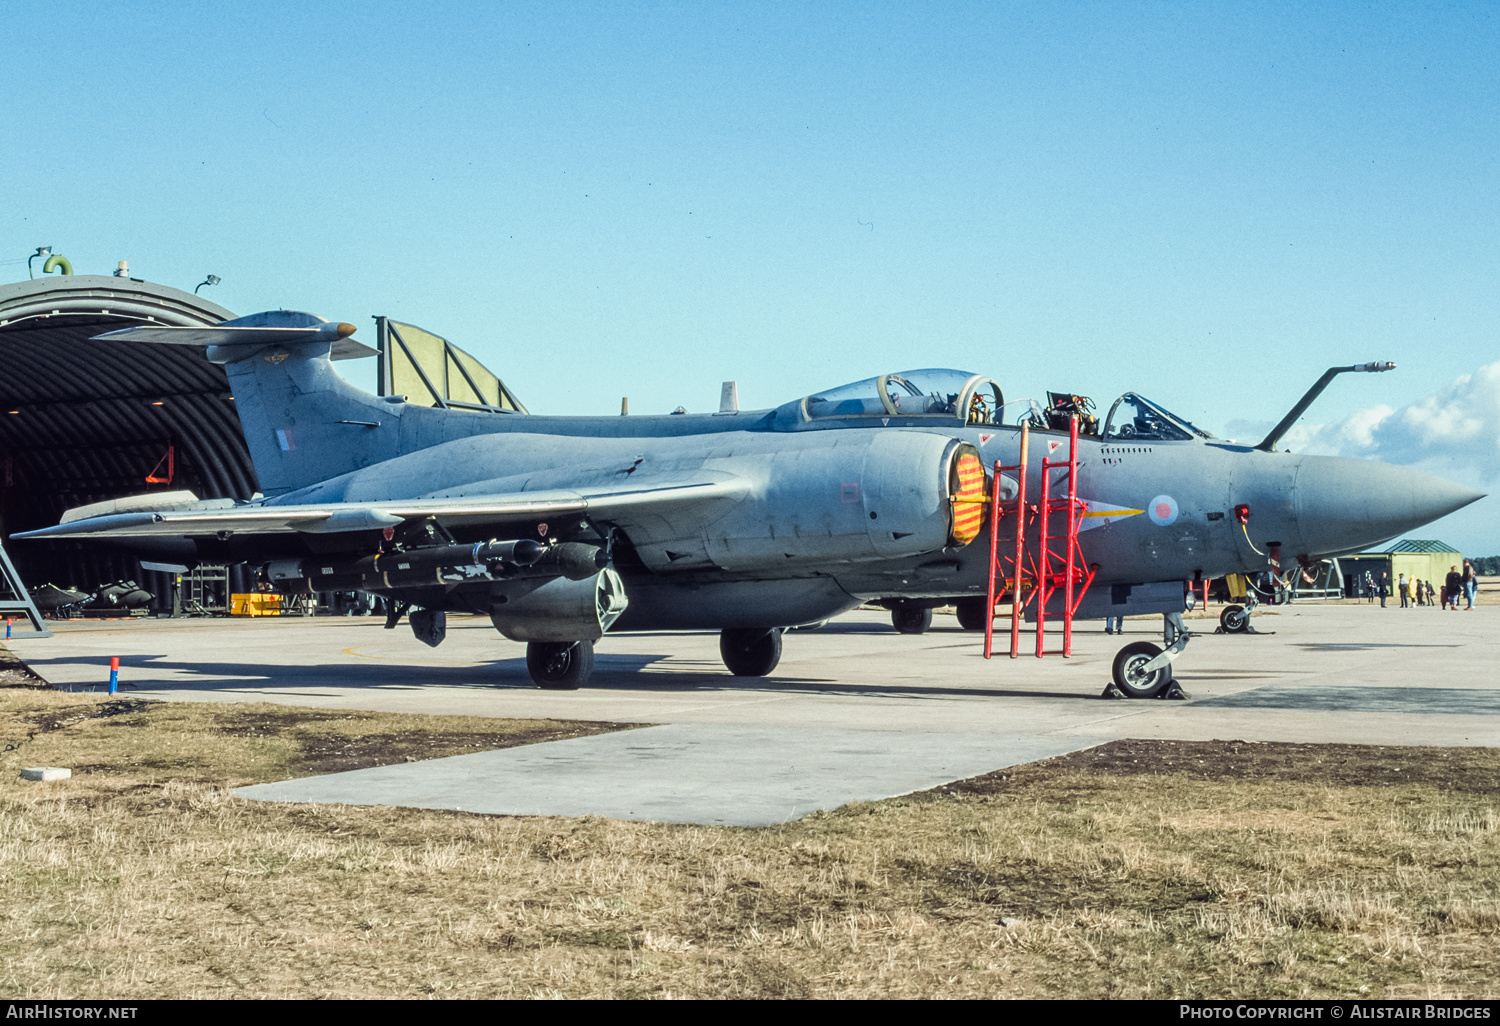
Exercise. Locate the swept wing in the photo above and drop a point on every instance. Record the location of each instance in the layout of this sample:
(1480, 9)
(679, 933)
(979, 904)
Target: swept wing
(329, 518)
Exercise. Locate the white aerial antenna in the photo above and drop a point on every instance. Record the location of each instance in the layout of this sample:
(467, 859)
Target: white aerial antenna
(729, 397)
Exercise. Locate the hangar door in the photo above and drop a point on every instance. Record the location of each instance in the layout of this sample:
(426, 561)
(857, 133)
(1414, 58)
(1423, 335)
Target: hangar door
(431, 371)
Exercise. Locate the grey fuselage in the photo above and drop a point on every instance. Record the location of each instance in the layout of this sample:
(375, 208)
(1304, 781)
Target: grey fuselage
(800, 548)
(751, 519)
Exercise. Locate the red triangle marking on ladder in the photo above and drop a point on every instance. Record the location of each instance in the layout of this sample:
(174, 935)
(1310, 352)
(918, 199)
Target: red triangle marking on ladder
(1052, 446)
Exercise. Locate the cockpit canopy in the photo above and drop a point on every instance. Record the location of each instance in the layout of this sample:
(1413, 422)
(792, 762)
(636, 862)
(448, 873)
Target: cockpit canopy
(942, 396)
(1135, 419)
(934, 395)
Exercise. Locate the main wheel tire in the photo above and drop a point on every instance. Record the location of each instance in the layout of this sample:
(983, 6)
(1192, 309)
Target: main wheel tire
(750, 652)
(560, 665)
(971, 612)
(911, 619)
(1127, 671)
(1234, 620)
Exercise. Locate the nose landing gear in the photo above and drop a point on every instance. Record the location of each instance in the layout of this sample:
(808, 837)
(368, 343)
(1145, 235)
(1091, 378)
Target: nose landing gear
(1131, 676)
(1144, 670)
(1235, 620)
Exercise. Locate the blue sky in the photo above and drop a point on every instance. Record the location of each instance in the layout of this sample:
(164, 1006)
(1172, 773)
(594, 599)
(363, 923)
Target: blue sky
(1207, 203)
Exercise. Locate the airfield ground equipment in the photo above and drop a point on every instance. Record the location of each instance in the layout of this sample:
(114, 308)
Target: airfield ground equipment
(16, 601)
(1051, 569)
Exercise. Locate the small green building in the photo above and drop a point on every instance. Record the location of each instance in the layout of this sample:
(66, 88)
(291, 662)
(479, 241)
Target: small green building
(1426, 559)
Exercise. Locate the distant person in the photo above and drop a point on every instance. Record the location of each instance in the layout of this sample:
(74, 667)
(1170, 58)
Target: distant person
(1471, 584)
(1452, 586)
(1114, 625)
(1430, 594)
(1369, 587)
(1401, 589)
(1385, 587)
(1413, 589)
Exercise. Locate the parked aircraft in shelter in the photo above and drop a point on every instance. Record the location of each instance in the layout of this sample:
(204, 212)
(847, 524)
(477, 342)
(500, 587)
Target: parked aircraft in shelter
(562, 529)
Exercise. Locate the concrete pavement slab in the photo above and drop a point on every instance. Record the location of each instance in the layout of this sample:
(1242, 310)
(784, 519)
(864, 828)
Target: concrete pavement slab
(682, 773)
(1345, 698)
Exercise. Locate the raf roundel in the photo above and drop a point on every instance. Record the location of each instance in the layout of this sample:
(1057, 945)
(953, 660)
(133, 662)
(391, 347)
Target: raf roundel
(1162, 510)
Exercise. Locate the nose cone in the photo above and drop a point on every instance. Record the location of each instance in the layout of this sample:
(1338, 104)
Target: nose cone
(1347, 505)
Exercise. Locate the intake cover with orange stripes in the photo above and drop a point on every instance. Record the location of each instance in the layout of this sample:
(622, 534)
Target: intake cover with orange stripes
(966, 495)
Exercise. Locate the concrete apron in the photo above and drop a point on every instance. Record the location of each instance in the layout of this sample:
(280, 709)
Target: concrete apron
(854, 711)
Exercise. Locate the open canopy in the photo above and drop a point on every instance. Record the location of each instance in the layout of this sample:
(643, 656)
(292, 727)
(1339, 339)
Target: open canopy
(933, 394)
(1134, 418)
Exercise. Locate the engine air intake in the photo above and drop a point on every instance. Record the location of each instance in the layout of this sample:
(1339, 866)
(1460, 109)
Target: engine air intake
(966, 495)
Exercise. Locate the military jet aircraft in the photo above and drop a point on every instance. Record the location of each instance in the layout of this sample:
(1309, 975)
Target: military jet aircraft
(561, 529)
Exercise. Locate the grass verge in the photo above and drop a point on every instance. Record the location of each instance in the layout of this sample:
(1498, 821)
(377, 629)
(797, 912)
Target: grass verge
(1140, 869)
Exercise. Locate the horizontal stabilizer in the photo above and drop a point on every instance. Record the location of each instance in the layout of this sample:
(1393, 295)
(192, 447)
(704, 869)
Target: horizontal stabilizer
(278, 327)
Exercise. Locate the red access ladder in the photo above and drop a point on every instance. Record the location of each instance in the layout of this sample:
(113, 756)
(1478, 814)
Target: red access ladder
(1056, 562)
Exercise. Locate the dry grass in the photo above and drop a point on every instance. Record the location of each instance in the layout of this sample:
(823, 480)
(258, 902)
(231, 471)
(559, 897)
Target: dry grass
(1142, 869)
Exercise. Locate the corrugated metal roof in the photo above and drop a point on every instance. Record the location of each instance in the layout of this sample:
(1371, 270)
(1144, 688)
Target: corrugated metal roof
(1421, 545)
(92, 419)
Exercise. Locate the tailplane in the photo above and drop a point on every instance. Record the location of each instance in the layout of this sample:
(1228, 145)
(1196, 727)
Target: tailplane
(302, 421)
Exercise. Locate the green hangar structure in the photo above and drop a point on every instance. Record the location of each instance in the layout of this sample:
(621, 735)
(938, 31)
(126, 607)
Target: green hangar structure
(1425, 559)
(84, 421)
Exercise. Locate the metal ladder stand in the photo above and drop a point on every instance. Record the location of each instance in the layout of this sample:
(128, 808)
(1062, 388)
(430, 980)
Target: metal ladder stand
(15, 600)
(1049, 569)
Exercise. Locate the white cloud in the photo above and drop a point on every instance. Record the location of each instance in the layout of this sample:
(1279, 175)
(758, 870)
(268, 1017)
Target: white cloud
(1455, 433)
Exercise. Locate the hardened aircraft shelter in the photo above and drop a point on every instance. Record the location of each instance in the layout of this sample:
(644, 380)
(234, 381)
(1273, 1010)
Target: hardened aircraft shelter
(83, 421)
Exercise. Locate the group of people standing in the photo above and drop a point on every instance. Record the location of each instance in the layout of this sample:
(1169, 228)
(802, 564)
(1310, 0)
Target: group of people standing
(1459, 584)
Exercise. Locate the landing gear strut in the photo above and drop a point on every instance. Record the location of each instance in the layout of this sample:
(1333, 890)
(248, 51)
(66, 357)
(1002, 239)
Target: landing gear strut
(750, 652)
(560, 665)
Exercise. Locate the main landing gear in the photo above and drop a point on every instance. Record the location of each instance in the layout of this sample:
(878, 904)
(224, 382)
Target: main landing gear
(560, 665)
(911, 619)
(750, 651)
(1144, 670)
(566, 665)
(971, 612)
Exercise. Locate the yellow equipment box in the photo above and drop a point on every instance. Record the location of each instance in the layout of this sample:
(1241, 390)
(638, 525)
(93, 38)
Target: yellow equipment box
(255, 604)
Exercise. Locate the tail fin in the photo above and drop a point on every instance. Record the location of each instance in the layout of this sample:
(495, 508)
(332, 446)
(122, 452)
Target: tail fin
(302, 422)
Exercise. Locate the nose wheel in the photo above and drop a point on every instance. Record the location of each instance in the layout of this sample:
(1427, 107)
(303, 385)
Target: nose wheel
(1132, 677)
(1235, 620)
(1144, 670)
